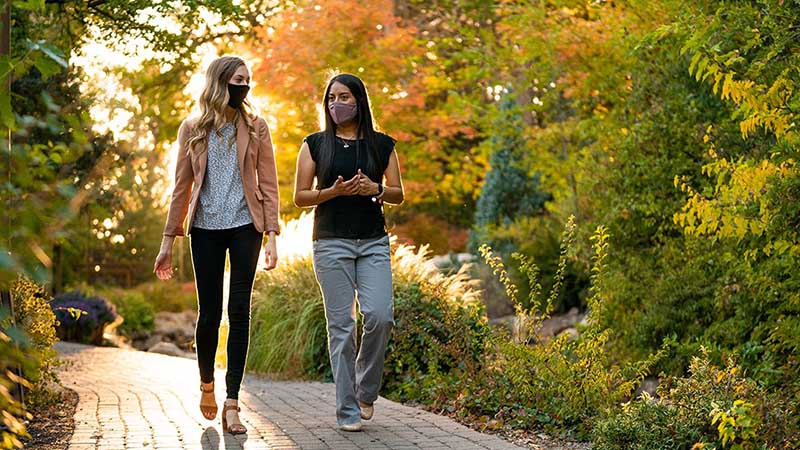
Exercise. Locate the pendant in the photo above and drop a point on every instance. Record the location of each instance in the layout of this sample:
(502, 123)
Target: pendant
(346, 145)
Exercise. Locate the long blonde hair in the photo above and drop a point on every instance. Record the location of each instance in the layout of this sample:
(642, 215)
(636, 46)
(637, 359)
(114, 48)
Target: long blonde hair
(214, 99)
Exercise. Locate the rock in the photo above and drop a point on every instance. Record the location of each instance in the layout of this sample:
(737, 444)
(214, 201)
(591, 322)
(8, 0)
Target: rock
(176, 326)
(648, 385)
(152, 340)
(513, 324)
(453, 259)
(571, 332)
(550, 328)
(464, 258)
(556, 324)
(166, 348)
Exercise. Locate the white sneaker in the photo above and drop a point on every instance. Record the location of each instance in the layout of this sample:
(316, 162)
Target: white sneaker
(351, 427)
(366, 410)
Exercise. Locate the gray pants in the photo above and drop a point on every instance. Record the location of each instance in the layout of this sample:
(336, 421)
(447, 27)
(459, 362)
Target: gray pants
(344, 267)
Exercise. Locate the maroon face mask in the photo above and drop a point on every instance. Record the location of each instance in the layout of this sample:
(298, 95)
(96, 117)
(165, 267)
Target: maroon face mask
(342, 112)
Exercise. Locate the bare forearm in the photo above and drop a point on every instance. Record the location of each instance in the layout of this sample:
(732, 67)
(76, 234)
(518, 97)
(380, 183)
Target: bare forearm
(311, 197)
(166, 244)
(392, 195)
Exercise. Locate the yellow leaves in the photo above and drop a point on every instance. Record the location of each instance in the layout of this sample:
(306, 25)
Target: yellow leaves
(737, 207)
(759, 105)
(600, 110)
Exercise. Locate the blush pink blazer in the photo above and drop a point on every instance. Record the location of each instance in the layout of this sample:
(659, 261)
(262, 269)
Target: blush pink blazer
(256, 165)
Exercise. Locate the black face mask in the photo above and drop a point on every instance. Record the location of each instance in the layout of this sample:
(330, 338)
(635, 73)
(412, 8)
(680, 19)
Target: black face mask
(237, 94)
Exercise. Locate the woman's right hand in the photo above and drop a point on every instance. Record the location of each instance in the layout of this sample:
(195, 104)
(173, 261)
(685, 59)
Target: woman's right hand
(341, 187)
(163, 265)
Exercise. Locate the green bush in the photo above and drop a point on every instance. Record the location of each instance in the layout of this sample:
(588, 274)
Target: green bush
(171, 295)
(13, 342)
(138, 314)
(440, 326)
(26, 342)
(289, 336)
(711, 408)
(441, 331)
(563, 383)
(32, 314)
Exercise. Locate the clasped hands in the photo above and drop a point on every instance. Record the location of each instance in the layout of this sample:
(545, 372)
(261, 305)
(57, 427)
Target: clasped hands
(360, 184)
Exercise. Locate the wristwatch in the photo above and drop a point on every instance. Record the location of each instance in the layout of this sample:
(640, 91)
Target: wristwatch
(379, 194)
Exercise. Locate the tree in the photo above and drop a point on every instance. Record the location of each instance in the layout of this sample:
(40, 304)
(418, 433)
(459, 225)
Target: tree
(43, 198)
(509, 190)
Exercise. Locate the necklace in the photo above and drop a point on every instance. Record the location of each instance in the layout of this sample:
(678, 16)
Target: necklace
(344, 141)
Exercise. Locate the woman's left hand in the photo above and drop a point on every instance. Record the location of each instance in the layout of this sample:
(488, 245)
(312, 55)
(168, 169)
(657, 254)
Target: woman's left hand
(271, 253)
(365, 185)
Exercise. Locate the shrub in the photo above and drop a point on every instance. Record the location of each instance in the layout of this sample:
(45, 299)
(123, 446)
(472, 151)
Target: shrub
(13, 355)
(289, 336)
(32, 314)
(712, 407)
(440, 326)
(508, 191)
(83, 318)
(171, 295)
(441, 331)
(562, 382)
(138, 314)
(424, 228)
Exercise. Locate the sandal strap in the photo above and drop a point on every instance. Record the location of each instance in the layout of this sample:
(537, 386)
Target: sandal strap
(207, 390)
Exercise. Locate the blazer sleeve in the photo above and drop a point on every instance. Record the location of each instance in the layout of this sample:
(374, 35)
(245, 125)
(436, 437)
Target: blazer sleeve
(268, 179)
(184, 179)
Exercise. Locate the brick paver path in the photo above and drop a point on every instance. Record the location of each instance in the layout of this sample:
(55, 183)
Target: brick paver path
(138, 400)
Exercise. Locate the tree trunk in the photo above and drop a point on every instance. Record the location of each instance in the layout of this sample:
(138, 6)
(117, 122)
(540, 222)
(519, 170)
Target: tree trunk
(6, 301)
(58, 270)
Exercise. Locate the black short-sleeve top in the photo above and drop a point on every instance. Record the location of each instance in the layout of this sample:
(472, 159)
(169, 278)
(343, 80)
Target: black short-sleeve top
(354, 216)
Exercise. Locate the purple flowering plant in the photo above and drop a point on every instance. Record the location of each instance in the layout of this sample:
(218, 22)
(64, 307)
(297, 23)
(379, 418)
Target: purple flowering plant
(81, 317)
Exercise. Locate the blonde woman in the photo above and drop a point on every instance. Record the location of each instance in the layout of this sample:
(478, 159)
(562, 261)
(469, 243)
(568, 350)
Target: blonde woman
(226, 183)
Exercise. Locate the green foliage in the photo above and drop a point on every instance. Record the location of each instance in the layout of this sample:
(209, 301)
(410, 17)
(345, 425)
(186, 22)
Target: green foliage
(710, 408)
(287, 308)
(171, 295)
(440, 327)
(565, 382)
(32, 314)
(136, 306)
(441, 332)
(508, 190)
(12, 354)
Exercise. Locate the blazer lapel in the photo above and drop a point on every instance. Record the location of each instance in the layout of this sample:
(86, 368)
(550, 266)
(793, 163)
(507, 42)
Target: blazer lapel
(199, 162)
(242, 140)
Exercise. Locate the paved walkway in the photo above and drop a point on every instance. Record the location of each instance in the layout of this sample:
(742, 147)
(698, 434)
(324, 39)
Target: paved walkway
(138, 400)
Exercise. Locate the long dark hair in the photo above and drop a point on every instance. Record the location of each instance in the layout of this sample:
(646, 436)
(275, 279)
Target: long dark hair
(365, 130)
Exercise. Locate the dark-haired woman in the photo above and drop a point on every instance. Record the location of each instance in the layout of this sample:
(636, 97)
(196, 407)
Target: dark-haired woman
(356, 171)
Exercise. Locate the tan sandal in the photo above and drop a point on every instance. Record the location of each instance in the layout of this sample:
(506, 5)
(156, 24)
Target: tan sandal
(208, 402)
(236, 428)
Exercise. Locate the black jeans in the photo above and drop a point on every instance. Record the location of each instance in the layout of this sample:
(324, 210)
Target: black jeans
(208, 258)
